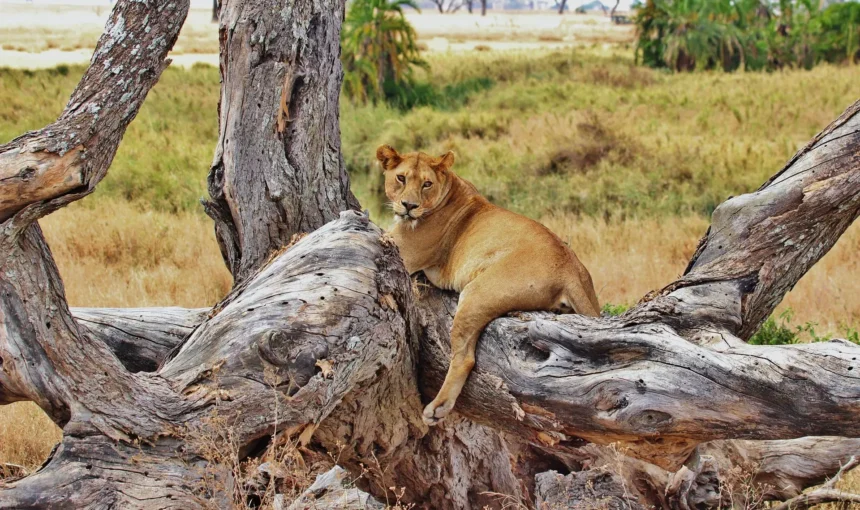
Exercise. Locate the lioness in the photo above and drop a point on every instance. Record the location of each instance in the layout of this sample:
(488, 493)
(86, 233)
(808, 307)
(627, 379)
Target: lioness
(497, 260)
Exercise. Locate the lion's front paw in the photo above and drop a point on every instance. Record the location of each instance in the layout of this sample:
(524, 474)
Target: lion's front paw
(436, 412)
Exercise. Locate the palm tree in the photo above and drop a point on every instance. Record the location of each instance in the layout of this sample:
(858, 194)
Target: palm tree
(689, 34)
(378, 46)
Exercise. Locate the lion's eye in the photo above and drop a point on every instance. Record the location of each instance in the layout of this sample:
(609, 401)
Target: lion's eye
(428, 184)
(401, 178)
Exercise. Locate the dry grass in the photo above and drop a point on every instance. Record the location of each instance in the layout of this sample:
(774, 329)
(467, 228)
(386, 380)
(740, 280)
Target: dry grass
(113, 254)
(627, 259)
(26, 435)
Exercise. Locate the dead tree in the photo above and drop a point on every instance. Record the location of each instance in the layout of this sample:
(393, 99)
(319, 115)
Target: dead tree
(326, 339)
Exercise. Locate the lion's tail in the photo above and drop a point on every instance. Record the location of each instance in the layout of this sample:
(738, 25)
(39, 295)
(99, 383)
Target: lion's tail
(580, 293)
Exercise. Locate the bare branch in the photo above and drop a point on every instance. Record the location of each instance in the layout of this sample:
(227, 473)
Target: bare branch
(760, 244)
(825, 494)
(64, 161)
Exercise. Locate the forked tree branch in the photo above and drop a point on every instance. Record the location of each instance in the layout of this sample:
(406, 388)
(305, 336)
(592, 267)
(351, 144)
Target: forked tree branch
(46, 169)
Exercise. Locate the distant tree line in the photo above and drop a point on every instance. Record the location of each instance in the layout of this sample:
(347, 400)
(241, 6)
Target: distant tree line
(687, 35)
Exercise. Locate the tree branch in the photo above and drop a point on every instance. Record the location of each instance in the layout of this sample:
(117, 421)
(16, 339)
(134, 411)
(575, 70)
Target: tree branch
(760, 244)
(141, 338)
(632, 381)
(824, 494)
(64, 161)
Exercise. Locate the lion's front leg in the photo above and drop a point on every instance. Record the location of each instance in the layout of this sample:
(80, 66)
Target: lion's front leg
(474, 312)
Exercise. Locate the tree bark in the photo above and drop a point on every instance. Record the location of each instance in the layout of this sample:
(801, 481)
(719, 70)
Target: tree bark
(483, 7)
(278, 170)
(324, 340)
(141, 338)
(561, 6)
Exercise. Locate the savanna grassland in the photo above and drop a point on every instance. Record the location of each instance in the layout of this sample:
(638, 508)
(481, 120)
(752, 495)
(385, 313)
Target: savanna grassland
(624, 163)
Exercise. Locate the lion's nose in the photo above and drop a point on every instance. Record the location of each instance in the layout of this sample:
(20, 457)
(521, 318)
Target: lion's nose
(408, 205)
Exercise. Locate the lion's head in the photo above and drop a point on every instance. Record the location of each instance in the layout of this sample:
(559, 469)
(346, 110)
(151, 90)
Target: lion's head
(415, 183)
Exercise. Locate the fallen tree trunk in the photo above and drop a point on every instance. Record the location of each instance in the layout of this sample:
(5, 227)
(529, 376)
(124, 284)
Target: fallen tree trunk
(323, 341)
(317, 345)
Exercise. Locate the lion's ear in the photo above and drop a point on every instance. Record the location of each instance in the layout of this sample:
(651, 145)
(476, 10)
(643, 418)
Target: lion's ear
(388, 157)
(445, 161)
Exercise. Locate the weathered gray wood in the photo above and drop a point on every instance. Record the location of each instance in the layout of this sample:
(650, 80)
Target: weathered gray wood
(278, 169)
(824, 494)
(557, 378)
(44, 357)
(783, 469)
(332, 490)
(325, 341)
(141, 338)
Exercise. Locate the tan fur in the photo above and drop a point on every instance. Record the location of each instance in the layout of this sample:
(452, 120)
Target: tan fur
(497, 260)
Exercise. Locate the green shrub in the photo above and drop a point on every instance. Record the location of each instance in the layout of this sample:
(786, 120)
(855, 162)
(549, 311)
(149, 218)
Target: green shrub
(781, 331)
(776, 332)
(613, 310)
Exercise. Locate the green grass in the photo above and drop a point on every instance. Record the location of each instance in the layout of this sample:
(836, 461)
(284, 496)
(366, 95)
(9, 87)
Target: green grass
(164, 157)
(576, 132)
(569, 131)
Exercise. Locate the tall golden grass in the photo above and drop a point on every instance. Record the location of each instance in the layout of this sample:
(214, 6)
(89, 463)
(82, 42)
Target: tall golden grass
(114, 254)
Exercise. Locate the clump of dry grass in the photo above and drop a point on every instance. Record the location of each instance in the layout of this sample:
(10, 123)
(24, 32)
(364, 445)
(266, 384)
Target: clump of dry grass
(585, 147)
(26, 436)
(114, 254)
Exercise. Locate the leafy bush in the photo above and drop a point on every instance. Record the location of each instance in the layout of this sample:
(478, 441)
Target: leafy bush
(776, 333)
(781, 331)
(687, 35)
(613, 310)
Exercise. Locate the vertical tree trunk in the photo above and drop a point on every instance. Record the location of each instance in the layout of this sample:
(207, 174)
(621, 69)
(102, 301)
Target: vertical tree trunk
(216, 9)
(277, 169)
(483, 7)
(561, 7)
